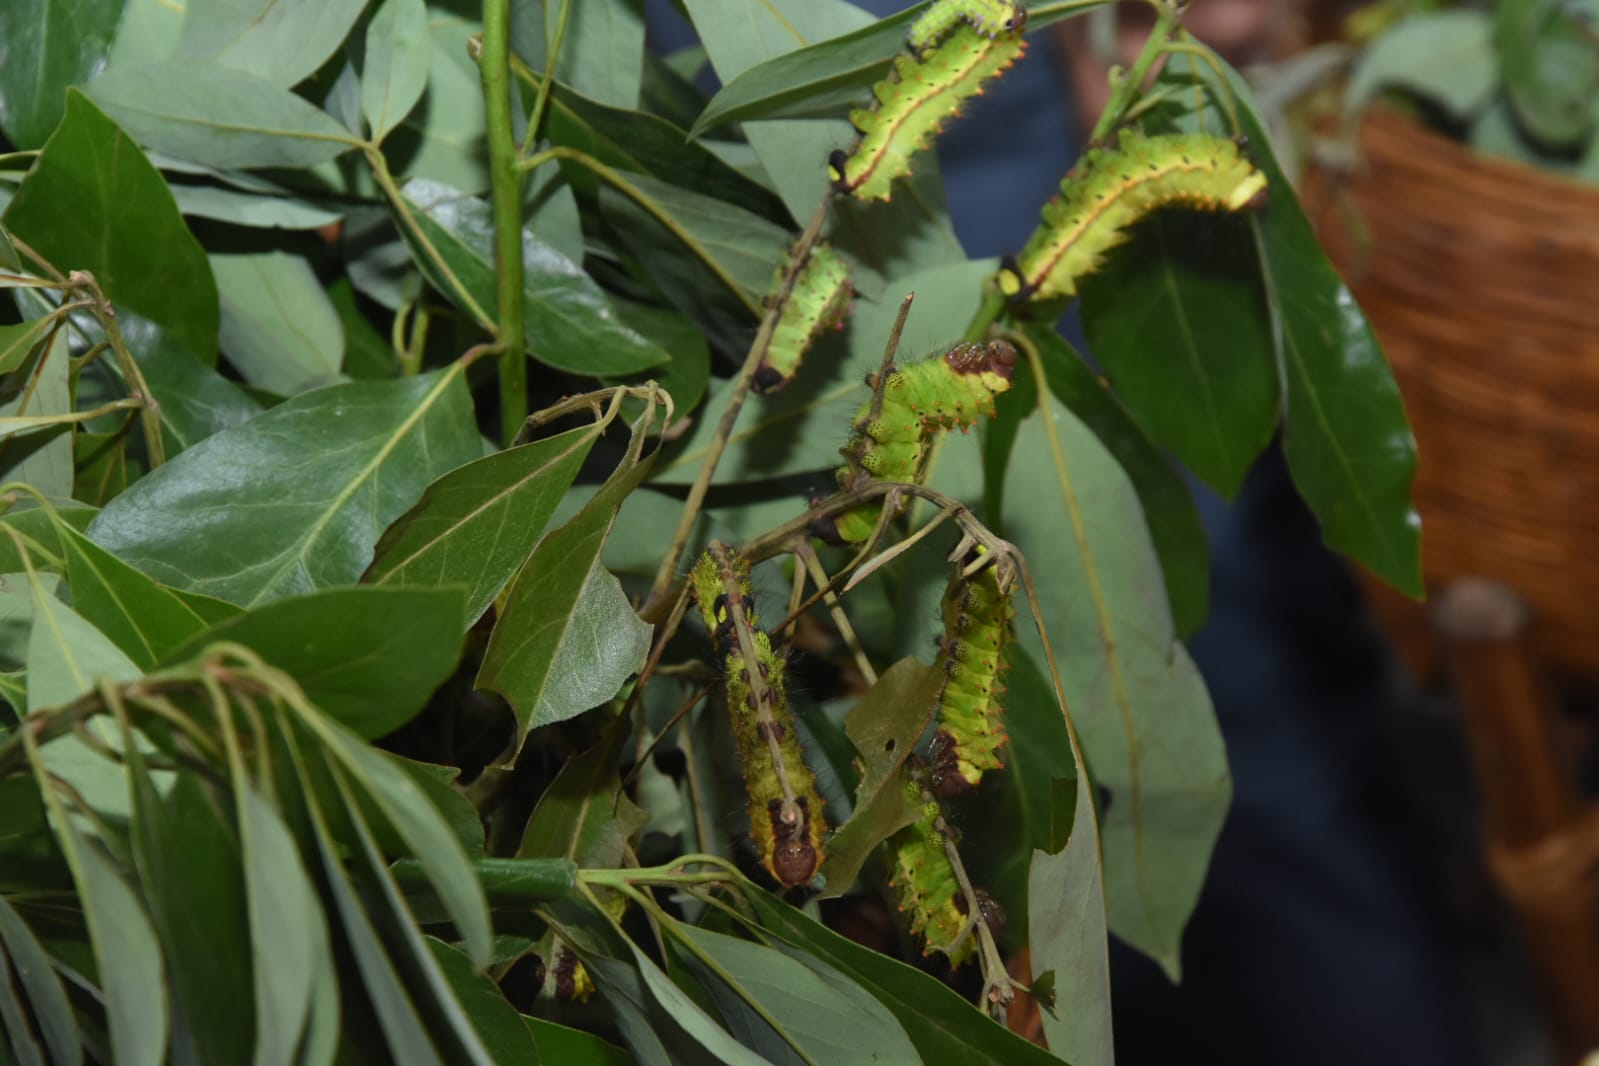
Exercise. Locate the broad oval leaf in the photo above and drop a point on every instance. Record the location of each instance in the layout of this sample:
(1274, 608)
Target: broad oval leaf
(1349, 447)
(1177, 320)
(829, 1023)
(50, 45)
(369, 657)
(395, 73)
(280, 41)
(1139, 704)
(296, 498)
(279, 329)
(498, 1024)
(567, 638)
(219, 117)
(67, 655)
(570, 323)
(475, 525)
(602, 48)
(1445, 56)
(583, 816)
(93, 202)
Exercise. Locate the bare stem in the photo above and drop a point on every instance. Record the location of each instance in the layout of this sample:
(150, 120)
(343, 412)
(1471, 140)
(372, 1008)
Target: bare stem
(494, 66)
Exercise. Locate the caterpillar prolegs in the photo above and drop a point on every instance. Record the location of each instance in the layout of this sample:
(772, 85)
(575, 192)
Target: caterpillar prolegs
(785, 810)
(913, 103)
(1110, 189)
(929, 890)
(909, 404)
(973, 658)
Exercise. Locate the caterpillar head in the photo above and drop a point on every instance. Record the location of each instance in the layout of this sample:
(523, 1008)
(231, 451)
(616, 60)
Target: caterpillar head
(988, 357)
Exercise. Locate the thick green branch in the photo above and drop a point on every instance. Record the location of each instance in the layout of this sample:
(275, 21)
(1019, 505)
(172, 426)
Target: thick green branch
(494, 65)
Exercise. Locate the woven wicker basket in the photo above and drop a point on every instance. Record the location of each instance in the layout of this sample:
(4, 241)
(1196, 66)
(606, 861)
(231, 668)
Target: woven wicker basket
(1481, 278)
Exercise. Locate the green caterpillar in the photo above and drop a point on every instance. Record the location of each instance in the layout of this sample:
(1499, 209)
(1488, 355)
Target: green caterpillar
(819, 300)
(991, 18)
(785, 810)
(912, 104)
(972, 657)
(909, 404)
(1110, 189)
(929, 892)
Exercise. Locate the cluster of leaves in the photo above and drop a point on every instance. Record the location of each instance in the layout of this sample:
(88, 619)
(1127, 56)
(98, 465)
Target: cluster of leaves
(1516, 78)
(331, 729)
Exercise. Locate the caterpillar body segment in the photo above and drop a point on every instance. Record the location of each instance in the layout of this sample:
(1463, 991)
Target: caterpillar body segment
(924, 879)
(912, 104)
(1111, 189)
(785, 810)
(891, 431)
(819, 300)
(991, 18)
(978, 630)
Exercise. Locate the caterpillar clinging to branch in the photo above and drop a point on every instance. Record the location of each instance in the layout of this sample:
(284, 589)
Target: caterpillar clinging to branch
(1110, 189)
(929, 891)
(818, 300)
(784, 808)
(909, 404)
(991, 18)
(972, 656)
(912, 104)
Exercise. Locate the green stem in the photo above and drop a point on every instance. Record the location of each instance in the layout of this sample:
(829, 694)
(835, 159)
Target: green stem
(150, 408)
(506, 200)
(1122, 93)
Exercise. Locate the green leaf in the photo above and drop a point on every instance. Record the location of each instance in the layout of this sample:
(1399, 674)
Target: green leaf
(219, 117)
(1067, 937)
(570, 323)
(820, 79)
(602, 52)
(688, 375)
(497, 1022)
(29, 858)
(1175, 318)
(443, 139)
(47, 999)
(279, 330)
(825, 1023)
(1138, 701)
(188, 862)
(557, 1043)
(126, 952)
(285, 925)
(147, 33)
(421, 826)
(567, 638)
(143, 618)
(93, 202)
(1550, 67)
(720, 278)
(944, 1027)
(1445, 56)
(50, 44)
(280, 211)
(40, 388)
(715, 1041)
(583, 816)
(884, 727)
(642, 143)
(296, 498)
(395, 73)
(1173, 519)
(280, 41)
(475, 525)
(1349, 448)
(368, 355)
(369, 657)
(195, 400)
(67, 655)
(101, 462)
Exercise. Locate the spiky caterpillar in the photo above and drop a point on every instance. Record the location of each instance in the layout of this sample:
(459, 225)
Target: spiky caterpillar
(972, 656)
(1110, 189)
(909, 404)
(785, 810)
(818, 301)
(988, 17)
(912, 104)
(929, 892)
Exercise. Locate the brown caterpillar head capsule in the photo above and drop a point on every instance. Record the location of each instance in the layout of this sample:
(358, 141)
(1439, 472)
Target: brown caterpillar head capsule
(989, 357)
(794, 861)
